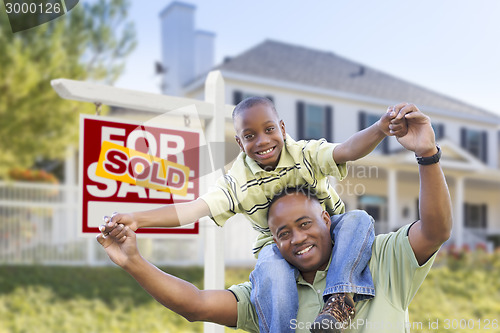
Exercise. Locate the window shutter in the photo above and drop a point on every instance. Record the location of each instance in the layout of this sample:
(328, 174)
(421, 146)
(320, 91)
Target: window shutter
(484, 146)
(440, 131)
(361, 120)
(329, 123)
(466, 215)
(385, 145)
(300, 120)
(484, 216)
(463, 137)
(237, 97)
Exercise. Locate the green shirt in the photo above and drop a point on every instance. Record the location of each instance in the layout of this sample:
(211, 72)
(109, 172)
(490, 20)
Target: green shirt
(396, 275)
(248, 189)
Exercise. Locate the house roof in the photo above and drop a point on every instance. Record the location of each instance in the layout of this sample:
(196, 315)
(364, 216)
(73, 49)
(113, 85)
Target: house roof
(301, 65)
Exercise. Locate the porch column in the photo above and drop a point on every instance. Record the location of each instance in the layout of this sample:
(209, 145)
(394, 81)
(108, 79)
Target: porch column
(392, 204)
(458, 218)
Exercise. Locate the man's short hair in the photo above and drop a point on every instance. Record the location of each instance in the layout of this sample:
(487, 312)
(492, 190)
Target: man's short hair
(249, 102)
(305, 190)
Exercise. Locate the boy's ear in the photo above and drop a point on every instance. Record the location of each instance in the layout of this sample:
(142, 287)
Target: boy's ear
(282, 128)
(238, 141)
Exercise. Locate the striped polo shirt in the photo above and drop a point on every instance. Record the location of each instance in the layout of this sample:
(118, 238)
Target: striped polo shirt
(248, 189)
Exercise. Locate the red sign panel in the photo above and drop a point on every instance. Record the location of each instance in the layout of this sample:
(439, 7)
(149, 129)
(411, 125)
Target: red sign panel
(101, 196)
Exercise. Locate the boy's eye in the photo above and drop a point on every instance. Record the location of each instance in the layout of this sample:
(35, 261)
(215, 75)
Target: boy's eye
(248, 136)
(269, 129)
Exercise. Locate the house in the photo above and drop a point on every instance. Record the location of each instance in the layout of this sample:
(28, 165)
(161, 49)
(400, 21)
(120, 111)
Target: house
(319, 94)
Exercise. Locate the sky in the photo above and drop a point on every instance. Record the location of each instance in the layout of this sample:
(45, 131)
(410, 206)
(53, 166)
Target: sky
(449, 46)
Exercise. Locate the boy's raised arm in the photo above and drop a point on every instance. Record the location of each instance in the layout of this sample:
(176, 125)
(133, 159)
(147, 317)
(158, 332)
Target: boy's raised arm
(365, 141)
(173, 215)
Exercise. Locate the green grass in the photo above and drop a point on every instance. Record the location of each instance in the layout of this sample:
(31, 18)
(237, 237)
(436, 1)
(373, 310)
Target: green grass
(82, 299)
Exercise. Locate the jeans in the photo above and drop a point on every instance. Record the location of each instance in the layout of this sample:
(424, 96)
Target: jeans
(274, 290)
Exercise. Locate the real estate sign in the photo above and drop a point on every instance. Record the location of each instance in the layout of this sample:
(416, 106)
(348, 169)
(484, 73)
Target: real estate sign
(127, 167)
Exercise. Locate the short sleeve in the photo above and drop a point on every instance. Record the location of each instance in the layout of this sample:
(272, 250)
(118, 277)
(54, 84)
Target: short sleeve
(221, 201)
(393, 262)
(247, 316)
(320, 155)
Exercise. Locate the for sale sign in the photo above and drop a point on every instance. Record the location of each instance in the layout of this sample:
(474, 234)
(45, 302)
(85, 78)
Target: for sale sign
(126, 167)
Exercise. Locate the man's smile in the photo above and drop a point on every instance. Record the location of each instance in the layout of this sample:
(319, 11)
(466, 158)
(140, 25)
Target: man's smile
(304, 250)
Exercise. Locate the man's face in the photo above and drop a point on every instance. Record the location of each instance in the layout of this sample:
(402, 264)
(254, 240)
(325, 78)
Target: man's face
(260, 134)
(301, 230)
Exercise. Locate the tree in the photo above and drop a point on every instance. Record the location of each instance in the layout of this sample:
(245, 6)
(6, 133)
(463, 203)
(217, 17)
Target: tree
(90, 42)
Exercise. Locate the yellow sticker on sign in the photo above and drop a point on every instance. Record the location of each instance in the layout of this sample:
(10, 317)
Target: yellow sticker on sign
(131, 166)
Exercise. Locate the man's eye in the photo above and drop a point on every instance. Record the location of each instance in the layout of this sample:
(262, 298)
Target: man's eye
(283, 235)
(305, 224)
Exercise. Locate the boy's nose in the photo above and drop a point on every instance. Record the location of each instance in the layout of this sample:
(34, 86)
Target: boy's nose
(262, 140)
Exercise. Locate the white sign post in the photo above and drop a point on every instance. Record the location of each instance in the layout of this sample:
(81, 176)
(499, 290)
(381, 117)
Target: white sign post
(213, 110)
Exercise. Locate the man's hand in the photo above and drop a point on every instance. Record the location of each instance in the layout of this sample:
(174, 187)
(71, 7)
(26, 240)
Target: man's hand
(120, 245)
(420, 137)
(391, 126)
(110, 223)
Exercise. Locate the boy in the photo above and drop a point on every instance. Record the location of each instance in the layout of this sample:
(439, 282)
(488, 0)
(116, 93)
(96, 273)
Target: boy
(269, 162)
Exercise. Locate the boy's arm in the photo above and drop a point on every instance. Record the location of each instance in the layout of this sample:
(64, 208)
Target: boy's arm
(365, 141)
(173, 215)
(182, 297)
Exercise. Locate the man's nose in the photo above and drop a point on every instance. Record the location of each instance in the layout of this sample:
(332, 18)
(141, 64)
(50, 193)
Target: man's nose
(298, 237)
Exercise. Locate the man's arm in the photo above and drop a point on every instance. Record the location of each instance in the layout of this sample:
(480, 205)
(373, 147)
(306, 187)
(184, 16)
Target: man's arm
(173, 215)
(434, 226)
(365, 141)
(182, 297)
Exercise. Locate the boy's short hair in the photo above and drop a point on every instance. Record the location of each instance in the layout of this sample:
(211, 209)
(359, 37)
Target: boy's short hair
(249, 102)
(305, 190)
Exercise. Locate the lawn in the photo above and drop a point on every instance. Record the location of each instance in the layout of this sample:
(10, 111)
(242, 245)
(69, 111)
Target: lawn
(461, 294)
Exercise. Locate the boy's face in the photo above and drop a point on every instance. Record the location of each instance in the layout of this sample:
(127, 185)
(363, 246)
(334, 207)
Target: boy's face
(301, 230)
(261, 135)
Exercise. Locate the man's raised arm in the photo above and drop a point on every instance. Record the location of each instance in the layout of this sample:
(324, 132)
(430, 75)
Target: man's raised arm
(434, 226)
(218, 306)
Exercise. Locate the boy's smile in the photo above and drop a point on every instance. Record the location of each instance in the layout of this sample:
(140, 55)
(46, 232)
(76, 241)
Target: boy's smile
(261, 135)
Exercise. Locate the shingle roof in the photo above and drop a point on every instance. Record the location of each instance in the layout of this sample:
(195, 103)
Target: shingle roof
(301, 65)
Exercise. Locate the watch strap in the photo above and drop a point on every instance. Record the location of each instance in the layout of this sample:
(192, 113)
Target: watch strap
(429, 159)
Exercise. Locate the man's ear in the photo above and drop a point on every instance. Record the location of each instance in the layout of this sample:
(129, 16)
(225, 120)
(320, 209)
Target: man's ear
(326, 217)
(282, 128)
(238, 141)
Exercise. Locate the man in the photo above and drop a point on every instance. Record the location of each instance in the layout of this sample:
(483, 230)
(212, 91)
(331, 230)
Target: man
(399, 264)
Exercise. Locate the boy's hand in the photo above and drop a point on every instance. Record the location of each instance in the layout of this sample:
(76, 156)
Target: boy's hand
(420, 138)
(110, 223)
(390, 125)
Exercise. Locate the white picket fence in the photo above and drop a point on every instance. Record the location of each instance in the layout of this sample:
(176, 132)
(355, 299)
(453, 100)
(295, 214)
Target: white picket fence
(39, 225)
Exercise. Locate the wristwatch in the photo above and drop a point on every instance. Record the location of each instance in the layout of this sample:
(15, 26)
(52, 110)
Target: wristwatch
(430, 159)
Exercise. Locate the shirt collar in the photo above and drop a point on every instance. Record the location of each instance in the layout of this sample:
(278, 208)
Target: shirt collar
(285, 161)
(320, 275)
